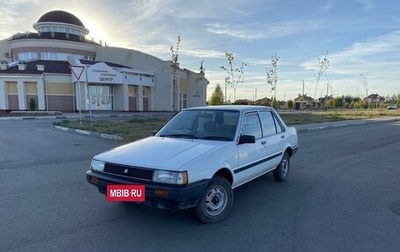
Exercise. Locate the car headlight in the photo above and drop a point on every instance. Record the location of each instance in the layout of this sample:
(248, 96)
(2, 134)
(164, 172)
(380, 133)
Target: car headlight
(170, 177)
(97, 165)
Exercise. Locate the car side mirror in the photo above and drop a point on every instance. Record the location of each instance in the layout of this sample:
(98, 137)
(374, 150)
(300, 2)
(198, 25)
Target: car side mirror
(247, 139)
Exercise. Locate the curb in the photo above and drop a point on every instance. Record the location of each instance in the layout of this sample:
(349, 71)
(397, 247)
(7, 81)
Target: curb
(86, 116)
(341, 125)
(89, 133)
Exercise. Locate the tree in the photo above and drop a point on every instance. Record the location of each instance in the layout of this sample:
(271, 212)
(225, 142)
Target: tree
(32, 104)
(338, 101)
(290, 104)
(175, 67)
(364, 82)
(274, 103)
(330, 103)
(234, 75)
(217, 97)
(272, 76)
(323, 65)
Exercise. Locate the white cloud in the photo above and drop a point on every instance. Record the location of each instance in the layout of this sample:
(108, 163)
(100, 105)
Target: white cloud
(254, 31)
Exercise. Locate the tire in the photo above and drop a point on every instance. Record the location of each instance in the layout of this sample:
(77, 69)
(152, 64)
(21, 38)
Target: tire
(281, 172)
(216, 202)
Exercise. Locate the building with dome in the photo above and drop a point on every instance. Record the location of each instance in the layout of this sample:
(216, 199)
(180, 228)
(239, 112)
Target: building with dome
(58, 69)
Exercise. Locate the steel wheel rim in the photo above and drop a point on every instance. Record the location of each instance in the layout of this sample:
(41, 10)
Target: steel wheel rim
(284, 167)
(215, 201)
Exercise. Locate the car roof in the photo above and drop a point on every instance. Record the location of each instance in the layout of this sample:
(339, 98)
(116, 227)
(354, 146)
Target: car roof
(231, 107)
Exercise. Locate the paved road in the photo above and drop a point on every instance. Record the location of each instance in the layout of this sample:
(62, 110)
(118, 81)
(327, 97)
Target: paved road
(342, 195)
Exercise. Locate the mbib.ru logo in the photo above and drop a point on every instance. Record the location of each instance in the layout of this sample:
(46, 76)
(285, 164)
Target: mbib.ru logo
(126, 193)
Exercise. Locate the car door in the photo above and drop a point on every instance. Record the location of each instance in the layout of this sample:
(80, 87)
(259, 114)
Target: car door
(250, 155)
(273, 139)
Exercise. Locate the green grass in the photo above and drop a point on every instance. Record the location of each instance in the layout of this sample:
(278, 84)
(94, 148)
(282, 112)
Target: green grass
(339, 115)
(131, 130)
(135, 129)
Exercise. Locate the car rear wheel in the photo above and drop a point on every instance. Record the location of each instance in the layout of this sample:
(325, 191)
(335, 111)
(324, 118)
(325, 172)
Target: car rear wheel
(216, 202)
(281, 172)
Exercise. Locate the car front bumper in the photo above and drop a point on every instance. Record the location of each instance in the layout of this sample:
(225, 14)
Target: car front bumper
(171, 197)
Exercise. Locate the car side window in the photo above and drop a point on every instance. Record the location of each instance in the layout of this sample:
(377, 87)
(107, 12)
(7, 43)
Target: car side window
(278, 125)
(251, 125)
(268, 123)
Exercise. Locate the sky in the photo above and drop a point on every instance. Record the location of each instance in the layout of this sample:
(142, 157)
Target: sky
(359, 38)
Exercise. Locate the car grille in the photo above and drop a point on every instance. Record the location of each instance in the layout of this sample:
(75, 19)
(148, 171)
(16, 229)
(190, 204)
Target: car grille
(129, 171)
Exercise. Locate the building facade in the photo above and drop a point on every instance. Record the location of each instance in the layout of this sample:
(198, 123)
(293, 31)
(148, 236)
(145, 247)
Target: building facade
(58, 69)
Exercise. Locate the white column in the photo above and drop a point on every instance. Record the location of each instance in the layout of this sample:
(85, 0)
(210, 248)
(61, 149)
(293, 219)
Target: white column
(139, 100)
(3, 95)
(151, 98)
(178, 94)
(125, 96)
(41, 95)
(21, 95)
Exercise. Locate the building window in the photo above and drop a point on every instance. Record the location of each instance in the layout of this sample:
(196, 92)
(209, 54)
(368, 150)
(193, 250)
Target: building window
(25, 56)
(28, 56)
(62, 29)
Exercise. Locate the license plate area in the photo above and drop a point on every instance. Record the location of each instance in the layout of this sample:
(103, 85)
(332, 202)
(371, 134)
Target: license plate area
(133, 193)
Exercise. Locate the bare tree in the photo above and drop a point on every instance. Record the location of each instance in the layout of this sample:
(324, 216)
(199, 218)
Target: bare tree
(234, 75)
(323, 65)
(175, 67)
(364, 82)
(272, 76)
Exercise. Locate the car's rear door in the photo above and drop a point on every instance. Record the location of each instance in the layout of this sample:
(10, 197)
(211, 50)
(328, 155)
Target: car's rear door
(274, 139)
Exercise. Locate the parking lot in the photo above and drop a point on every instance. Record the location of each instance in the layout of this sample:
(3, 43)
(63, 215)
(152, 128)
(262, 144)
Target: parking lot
(342, 194)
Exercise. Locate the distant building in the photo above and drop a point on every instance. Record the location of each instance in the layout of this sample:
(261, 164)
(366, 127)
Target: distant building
(304, 102)
(37, 66)
(374, 98)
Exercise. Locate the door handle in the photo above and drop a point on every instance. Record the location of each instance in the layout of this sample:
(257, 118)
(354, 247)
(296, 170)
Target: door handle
(283, 136)
(263, 142)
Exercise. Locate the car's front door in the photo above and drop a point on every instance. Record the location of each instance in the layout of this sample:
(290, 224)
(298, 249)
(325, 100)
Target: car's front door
(251, 155)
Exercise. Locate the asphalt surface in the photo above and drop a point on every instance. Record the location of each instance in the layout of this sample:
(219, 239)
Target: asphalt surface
(342, 194)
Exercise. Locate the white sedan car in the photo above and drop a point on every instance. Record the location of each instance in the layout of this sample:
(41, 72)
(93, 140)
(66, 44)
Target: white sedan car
(197, 158)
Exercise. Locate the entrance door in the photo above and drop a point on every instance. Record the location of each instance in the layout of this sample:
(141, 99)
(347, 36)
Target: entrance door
(100, 97)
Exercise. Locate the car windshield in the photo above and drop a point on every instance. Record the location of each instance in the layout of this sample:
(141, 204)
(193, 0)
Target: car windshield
(202, 124)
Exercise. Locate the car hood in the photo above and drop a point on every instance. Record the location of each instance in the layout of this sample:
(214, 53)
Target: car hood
(159, 152)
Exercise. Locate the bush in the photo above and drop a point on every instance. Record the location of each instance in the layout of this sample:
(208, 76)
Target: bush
(32, 104)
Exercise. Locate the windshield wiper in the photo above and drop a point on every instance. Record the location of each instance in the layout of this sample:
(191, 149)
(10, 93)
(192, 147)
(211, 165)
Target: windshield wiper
(221, 138)
(190, 136)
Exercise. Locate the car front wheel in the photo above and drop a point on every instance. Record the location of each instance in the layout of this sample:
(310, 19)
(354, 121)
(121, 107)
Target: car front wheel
(281, 172)
(216, 202)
